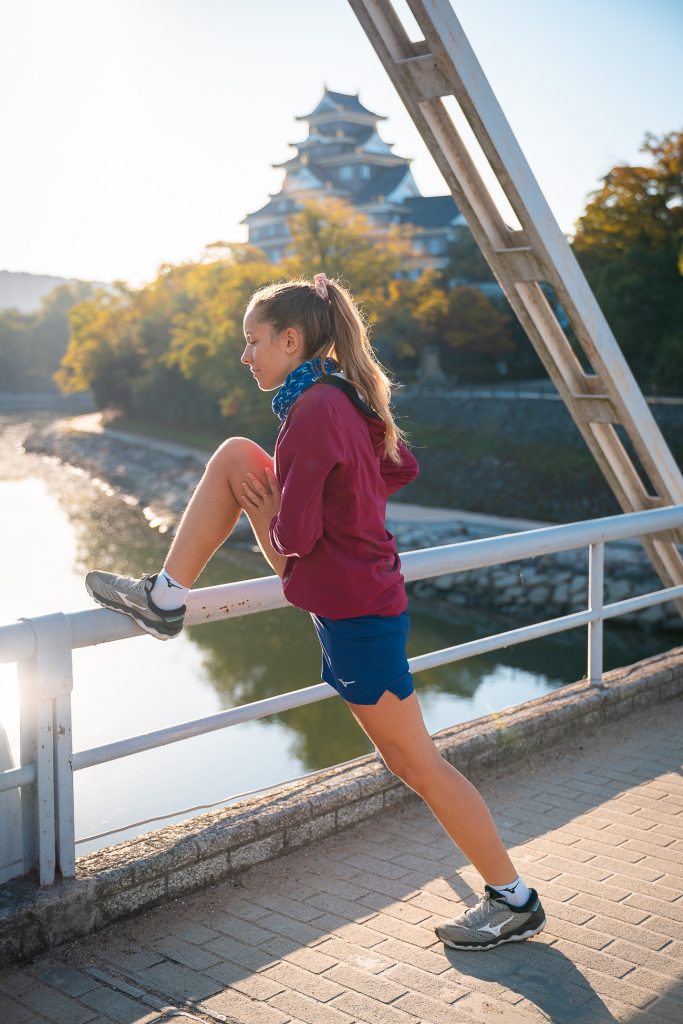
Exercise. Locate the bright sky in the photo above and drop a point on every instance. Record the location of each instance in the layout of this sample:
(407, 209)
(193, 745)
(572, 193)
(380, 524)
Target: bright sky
(137, 131)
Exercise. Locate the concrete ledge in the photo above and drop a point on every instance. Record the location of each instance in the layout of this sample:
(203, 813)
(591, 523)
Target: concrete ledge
(125, 879)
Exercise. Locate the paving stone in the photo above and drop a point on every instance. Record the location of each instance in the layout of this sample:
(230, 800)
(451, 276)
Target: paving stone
(495, 1012)
(656, 960)
(118, 1007)
(178, 982)
(415, 934)
(237, 928)
(288, 949)
(131, 959)
(291, 977)
(401, 911)
(253, 957)
(351, 911)
(347, 952)
(12, 1012)
(193, 931)
(55, 1006)
(405, 952)
(301, 911)
(360, 934)
(238, 1007)
(308, 1010)
(365, 982)
(185, 953)
(363, 1008)
(410, 978)
(73, 983)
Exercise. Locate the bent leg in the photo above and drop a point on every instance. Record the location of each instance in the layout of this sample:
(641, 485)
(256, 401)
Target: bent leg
(214, 509)
(397, 729)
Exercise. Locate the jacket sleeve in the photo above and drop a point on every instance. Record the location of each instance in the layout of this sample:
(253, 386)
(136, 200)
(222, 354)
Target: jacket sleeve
(313, 446)
(396, 476)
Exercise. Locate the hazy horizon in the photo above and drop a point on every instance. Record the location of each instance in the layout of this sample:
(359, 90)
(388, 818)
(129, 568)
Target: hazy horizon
(141, 132)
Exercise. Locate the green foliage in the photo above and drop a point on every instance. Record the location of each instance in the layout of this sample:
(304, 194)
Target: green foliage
(629, 243)
(178, 340)
(32, 344)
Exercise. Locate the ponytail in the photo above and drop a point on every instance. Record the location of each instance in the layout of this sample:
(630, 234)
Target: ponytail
(334, 328)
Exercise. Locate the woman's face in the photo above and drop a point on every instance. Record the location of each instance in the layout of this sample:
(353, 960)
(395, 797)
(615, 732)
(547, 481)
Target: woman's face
(270, 356)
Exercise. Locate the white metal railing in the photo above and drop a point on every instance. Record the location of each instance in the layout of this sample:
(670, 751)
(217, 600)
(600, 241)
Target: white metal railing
(42, 648)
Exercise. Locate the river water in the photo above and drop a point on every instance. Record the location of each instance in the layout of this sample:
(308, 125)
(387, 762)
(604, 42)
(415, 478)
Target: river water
(57, 524)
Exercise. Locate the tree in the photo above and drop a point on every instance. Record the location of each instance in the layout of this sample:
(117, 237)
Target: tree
(32, 344)
(629, 242)
(465, 260)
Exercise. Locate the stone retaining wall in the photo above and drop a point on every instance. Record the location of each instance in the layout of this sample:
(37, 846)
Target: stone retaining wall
(545, 586)
(125, 879)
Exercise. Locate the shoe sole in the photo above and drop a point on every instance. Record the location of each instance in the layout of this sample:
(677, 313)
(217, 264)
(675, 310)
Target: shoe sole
(498, 942)
(148, 628)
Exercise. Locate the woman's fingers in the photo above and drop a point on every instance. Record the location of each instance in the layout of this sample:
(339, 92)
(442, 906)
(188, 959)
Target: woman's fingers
(252, 486)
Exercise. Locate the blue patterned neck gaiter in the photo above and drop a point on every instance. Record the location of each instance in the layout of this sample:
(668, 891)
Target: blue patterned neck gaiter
(296, 382)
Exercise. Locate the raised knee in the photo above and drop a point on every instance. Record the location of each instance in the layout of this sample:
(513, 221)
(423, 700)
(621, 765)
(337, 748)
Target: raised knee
(235, 451)
(229, 448)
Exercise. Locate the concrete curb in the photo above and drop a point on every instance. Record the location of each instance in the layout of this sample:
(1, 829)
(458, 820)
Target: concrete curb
(157, 867)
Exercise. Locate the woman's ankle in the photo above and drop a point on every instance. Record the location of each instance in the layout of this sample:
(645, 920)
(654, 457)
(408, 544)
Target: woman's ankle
(167, 592)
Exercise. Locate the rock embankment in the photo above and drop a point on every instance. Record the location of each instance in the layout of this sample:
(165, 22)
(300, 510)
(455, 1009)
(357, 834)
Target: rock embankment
(161, 479)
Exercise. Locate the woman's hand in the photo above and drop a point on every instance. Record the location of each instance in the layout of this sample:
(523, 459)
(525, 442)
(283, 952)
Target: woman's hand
(258, 501)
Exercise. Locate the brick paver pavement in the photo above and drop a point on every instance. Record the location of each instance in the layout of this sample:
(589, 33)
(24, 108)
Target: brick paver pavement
(342, 932)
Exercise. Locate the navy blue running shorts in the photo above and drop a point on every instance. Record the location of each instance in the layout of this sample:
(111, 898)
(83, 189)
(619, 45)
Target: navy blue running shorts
(365, 655)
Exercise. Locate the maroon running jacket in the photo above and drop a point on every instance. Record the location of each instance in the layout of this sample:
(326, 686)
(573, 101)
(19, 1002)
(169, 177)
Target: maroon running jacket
(341, 560)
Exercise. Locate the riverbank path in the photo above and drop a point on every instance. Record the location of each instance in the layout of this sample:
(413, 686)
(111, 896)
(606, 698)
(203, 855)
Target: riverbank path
(342, 931)
(397, 512)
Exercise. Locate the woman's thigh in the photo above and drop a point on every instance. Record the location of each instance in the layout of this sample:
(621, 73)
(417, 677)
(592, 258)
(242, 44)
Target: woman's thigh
(397, 729)
(236, 457)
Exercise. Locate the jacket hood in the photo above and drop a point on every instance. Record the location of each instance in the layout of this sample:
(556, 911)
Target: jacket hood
(376, 424)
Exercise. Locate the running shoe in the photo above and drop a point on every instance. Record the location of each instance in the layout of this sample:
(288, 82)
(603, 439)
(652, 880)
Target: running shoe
(492, 921)
(132, 597)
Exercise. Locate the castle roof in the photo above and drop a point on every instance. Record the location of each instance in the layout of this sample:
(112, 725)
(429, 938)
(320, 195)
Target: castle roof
(429, 211)
(341, 102)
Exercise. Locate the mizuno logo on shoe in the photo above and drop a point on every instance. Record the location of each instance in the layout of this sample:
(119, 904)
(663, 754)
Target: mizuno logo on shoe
(125, 600)
(494, 929)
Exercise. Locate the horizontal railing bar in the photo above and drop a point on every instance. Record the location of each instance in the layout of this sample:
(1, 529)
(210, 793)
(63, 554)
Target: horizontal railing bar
(12, 778)
(509, 547)
(246, 597)
(307, 695)
(199, 726)
(486, 644)
(310, 694)
(634, 604)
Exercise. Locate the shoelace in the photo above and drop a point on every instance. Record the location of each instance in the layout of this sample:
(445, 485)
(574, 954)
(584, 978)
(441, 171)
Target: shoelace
(479, 911)
(476, 914)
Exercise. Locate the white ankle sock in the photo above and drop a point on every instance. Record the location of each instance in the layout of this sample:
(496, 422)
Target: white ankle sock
(516, 892)
(167, 593)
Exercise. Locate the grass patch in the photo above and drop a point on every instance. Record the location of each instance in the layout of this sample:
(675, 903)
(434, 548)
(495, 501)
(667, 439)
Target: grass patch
(205, 439)
(554, 463)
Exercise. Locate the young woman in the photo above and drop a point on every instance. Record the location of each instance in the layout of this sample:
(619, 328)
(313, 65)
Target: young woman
(318, 512)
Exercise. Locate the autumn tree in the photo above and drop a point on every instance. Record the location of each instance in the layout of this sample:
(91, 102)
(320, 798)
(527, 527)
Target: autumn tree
(32, 344)
(629, 242)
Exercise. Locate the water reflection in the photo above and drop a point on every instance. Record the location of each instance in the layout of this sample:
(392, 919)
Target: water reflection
(57, 525)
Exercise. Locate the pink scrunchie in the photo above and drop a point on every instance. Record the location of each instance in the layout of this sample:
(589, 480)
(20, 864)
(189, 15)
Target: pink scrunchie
(321, 283)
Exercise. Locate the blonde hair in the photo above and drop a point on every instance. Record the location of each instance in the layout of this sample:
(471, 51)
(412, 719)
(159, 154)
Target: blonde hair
(335, 329)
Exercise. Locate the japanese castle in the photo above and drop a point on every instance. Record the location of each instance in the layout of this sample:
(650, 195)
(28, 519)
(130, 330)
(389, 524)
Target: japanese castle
(344, 156)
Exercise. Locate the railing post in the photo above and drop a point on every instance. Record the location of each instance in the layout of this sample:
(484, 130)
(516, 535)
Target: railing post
(596, 572)
(45, 683)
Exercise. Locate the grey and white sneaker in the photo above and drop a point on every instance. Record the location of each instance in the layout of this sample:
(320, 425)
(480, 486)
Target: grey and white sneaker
(492, 921)
(132, 597)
